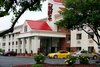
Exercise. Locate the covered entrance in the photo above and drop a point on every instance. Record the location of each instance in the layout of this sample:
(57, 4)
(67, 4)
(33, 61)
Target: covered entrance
(40, 41)
(49, 45)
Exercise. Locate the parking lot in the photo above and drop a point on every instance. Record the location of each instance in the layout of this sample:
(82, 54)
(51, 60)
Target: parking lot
(9, 61)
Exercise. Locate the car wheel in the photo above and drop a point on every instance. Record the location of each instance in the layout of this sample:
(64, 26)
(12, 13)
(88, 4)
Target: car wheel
(55, 56)
(94, 57)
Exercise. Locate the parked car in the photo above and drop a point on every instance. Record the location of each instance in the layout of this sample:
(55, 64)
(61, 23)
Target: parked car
(86, 54)
(1, 53)
(59, 54)
(10, 53)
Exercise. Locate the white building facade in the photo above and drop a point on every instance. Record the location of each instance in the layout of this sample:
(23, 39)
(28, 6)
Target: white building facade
(35, 35)
(81, 40)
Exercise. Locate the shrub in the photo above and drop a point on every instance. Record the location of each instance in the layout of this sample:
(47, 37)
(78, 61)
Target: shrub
(83, 59)
(39, 58)
(70, 60)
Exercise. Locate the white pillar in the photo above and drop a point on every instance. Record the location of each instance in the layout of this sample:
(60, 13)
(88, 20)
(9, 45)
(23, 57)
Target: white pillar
(28, 45)
(35, 44)
(19, 46)
(7, 44)
(23, 46)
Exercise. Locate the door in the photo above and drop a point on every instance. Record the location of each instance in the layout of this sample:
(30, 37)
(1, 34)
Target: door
(52, 49)
(45, 45)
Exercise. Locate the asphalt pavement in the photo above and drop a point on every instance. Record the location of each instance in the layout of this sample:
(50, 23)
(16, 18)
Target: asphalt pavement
(9, 61)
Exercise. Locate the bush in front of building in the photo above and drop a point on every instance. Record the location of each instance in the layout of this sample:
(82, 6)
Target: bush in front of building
(39, 58)
(70, 60)
(83, 59)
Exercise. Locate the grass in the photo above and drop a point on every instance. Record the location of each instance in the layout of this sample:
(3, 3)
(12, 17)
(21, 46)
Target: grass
(37, 65)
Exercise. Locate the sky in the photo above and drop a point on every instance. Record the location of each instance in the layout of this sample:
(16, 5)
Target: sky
(28, 15)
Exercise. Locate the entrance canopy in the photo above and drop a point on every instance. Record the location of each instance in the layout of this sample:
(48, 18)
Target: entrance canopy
(43, 34)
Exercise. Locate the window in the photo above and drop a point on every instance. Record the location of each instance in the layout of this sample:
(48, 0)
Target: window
(8, 49)
(12, 43)
(16, 42)
(58, 29)
(9, 43)
(13, 35)
(91, 35)
(78, 48)
(9, 36)
(68, 37)
(25, 29)
(3, 44)
(4, 37)
(79, 36)
(90, 49)
(98, 47)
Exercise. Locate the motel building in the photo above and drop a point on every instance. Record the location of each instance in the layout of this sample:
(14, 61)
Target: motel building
(45, 36)
(38, 35)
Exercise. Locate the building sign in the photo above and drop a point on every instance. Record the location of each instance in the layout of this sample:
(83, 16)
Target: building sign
(50, 9)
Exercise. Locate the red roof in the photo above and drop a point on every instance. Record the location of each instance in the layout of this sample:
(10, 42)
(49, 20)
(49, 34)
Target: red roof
(60, 1)
(38, 25)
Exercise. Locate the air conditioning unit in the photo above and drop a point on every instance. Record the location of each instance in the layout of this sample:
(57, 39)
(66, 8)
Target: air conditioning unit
(90, 41)
(78, 42)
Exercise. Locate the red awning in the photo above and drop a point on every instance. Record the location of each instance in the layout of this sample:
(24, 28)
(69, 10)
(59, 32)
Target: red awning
(38, 25)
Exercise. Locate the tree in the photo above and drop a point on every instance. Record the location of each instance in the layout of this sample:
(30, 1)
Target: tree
(82, 13)
(17, 7)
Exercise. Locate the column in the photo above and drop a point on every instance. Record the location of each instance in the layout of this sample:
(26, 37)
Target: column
(6, 41)
(19, 46)
(23, 46)
(35, 44)
(28, 45)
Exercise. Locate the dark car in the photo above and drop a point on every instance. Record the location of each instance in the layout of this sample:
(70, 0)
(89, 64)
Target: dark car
(1, 53)
(10, 53)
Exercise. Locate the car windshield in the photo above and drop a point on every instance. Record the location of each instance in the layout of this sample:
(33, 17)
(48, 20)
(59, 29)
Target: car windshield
(81, 51)
(62, 51)
(84, 51)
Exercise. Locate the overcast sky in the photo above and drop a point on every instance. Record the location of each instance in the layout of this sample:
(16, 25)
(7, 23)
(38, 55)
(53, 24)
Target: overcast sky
(28, 15)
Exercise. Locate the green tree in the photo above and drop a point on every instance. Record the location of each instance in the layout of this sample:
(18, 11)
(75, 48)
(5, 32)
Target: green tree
(17, 7)
(82, 13)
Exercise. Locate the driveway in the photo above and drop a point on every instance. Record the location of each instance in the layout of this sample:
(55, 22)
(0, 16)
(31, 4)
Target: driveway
(9, 61)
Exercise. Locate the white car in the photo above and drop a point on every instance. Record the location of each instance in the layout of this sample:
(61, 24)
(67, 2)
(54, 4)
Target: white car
(86, 54)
